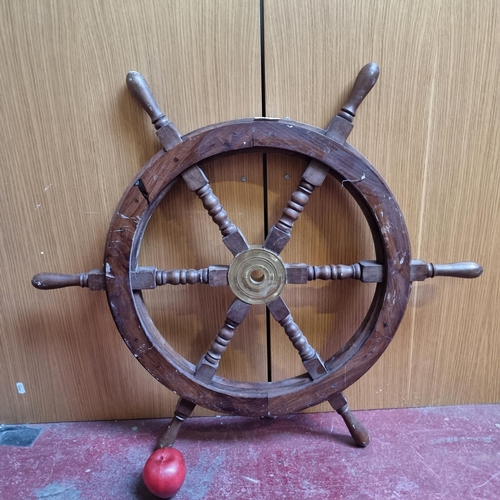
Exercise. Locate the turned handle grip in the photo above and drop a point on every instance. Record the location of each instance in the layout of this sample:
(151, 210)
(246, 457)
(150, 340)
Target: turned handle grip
(139, 89)
(356, 429)
(467, 270)
(365, 81)
(51, 281)
(95, 280)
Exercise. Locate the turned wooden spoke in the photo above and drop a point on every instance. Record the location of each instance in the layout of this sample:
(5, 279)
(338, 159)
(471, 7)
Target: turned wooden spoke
(215, 209)
(142, 279)
(339, 128)
(150, 277)
(194, 177)
(197, 181)
(282, 315)
(315, 173)
(295, 206)
(328, 153)
(310, 358)
(209, 363)
(279, 235)
(369, 271)
(366, 271)
(182, 276)
(333, 272)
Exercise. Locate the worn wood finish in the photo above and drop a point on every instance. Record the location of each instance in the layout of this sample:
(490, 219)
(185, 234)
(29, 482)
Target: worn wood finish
(149, 277)
(314, 175)
(438, 60)
(72, 138)
(366, 345)
(198, 385)
(194, 177)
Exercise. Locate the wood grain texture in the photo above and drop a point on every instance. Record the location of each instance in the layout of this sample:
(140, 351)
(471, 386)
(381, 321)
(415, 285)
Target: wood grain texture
(350, 363)
(456, 360)
(72, 138)
(431, 128)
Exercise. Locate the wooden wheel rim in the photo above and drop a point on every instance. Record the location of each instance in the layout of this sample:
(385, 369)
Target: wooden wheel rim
(389, 234)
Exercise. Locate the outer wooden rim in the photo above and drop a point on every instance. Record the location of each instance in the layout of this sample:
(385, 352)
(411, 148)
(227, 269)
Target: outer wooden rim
(242, 136)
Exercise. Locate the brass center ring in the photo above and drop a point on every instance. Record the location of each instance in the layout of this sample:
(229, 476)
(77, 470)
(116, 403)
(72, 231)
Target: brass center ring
(257, 276)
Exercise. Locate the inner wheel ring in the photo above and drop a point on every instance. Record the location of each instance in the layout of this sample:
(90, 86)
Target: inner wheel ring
(345, 367)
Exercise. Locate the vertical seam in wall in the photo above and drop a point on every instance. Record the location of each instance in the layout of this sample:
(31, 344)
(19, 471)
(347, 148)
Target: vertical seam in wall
(262, 59)
(264, 175)
(421, 214)
(263, 111)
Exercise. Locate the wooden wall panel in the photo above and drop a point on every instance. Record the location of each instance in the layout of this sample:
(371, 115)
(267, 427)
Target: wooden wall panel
(72, 138)
(455, 339)
(431, 128)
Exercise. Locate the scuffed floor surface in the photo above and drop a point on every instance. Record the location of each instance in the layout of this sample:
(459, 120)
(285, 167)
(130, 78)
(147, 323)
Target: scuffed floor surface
(426, 453)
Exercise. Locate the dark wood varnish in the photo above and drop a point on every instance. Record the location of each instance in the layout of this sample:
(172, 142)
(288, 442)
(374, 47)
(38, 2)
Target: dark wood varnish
(327, 154)
(366, 345)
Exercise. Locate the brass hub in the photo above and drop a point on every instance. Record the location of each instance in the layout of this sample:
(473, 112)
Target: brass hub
(257, 276)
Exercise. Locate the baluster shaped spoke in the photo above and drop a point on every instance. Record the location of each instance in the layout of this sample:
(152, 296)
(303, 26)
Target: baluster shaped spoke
(310, 358)
(339, 128)
(182, 276)
(333, 272)
(209, 363)
(279, 235)
(302, 273)
(194, 177)
(295, 206)
(149, 277)
(369, 271)
(316, 369)
(144, 278)
(212, 275)
(232, 236)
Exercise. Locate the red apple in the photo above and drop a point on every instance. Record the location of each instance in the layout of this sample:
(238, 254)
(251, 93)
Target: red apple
(164, 472)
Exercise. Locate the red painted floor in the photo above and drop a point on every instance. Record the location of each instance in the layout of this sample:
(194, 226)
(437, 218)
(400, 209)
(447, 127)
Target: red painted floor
(426, 453)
